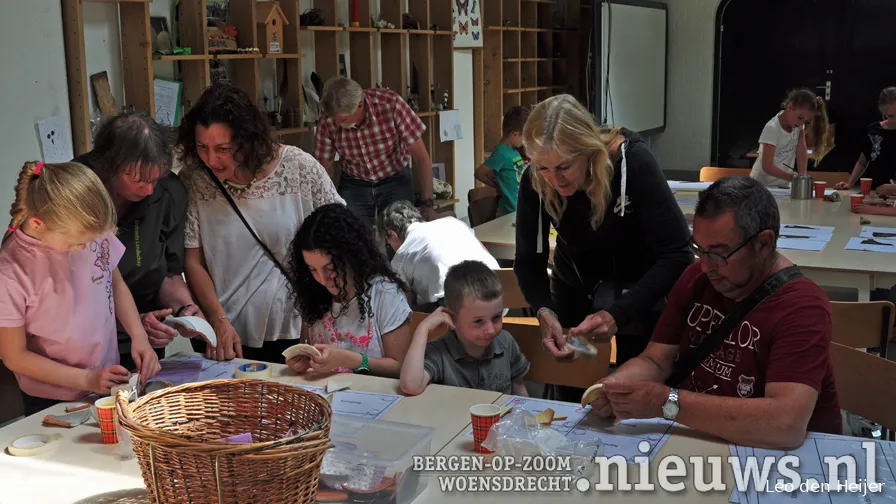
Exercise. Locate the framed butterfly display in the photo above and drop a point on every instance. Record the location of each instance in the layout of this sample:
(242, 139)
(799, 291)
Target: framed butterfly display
(467, 23)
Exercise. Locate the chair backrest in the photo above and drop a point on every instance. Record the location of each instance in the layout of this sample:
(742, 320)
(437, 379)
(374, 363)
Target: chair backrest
(712, 173)
(832, 178)
(513, 296)
(418, 317)
(866, 384)
(483, 205)
(863, 324)
(581, 373)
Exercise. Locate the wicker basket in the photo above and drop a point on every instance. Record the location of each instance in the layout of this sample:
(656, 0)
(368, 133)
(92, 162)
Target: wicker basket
(176, 431)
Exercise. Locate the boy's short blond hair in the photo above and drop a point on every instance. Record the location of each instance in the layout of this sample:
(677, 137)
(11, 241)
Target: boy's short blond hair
(470, 280)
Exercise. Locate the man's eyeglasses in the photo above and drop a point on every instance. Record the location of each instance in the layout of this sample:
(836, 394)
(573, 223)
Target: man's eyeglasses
(720, 260)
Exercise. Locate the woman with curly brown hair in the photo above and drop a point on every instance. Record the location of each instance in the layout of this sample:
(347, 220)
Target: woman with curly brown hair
(354, 305)
(248, 195)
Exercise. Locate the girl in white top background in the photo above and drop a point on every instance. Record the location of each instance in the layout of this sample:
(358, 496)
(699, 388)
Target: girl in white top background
(354, 305)
(783, 147)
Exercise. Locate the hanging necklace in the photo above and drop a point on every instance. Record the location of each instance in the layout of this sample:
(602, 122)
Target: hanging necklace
(241, 188)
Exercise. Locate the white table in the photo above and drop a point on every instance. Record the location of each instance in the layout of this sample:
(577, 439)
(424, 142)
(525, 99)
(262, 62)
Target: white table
(82, 467)
(833, 266)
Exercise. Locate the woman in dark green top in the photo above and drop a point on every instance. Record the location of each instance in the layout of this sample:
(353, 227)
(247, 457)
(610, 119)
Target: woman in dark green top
(132, 156)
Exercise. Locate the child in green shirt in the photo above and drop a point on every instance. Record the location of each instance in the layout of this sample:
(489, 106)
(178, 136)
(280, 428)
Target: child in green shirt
(504, 168)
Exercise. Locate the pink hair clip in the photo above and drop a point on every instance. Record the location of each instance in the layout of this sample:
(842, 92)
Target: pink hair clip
(38, 168)
(12, 229)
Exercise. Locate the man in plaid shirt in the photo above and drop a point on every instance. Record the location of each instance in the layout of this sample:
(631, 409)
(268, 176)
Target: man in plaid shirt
(375, 134)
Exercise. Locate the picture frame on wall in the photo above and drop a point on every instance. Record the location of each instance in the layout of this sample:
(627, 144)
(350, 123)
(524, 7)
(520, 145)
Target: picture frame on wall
(467, 24)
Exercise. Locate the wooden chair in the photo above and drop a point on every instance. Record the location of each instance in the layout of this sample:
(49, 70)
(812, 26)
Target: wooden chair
(832, 178)
(866, 384)
(712, 173)
(418, 317)
(581, 373)
(482, 206)
(863, 325)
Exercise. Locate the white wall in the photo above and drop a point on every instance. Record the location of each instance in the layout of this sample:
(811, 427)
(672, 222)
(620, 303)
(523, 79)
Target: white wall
(464, 158)
(33, 85)
(686, 144)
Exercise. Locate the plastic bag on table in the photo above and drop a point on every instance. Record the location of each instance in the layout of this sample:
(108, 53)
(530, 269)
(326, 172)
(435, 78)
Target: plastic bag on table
(520, 435)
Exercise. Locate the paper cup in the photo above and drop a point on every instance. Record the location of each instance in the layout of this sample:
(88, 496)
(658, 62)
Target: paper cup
(866, 185)
(856, 200)
(483, 417)
(105, 412)
(819, 189)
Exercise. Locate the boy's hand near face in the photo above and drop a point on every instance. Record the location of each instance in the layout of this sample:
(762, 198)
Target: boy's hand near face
(414, 378)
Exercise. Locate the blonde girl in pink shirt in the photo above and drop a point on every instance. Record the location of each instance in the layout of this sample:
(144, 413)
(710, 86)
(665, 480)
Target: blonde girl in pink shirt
(60, 289)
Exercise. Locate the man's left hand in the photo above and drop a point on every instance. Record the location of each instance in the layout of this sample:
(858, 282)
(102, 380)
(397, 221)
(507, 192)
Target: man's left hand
(636, 399)
(428, 213)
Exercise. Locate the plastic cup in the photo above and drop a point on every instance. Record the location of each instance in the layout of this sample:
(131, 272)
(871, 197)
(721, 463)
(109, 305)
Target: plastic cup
(105, 413)
(483, 417)
(866, 185)
(856, 200)
(819, 189)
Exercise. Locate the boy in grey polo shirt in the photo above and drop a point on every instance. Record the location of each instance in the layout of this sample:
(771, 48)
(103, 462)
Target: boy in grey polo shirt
(476, 353)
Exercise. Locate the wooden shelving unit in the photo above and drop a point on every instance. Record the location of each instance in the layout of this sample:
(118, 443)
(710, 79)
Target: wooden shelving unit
(531, 51)
(430, 51)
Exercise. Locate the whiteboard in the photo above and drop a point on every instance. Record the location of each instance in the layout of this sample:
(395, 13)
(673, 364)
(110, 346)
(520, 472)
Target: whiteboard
(633, 48)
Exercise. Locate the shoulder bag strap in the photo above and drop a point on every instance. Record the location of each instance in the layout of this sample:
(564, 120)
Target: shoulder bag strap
(246, 223)
(689, 363)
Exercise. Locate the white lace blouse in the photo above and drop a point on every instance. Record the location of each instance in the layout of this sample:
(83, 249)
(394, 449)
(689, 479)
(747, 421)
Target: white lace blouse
(251, 288)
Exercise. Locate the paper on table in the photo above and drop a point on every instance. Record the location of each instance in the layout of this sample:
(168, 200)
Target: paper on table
(687, 201)
(357, 403)
(55, 139)
(880, 233)
(817, 232)
(801, 243)
(871, 245)
(449, 126)
(678, 185)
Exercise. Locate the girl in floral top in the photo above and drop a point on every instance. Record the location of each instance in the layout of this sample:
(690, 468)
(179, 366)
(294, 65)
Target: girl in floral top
(354, 306)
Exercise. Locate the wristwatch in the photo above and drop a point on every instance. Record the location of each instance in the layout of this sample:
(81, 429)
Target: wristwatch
(363, 368)
(670, 409)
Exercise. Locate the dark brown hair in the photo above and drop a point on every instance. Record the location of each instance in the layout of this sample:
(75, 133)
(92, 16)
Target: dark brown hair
(470, 280)
(514, 121)
(251, 132)
(130, 141)
(887, 98)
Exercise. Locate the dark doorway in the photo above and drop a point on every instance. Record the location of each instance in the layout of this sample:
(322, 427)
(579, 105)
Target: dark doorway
(765, 48)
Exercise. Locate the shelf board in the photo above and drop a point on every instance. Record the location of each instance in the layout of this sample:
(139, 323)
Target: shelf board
(443, 32)
(117, 1)
(360, 29)
(291, 131)
(540, 1)
(439, 203)
(283, 56)
(237, 56)
(180, 57)
(507, 28)
(528, 60)
(529, 89)
(419, 32)
(391, 30)
(322, 28)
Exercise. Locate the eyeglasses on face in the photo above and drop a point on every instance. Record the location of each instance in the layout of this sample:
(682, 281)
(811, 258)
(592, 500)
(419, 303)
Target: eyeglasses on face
(718, 259)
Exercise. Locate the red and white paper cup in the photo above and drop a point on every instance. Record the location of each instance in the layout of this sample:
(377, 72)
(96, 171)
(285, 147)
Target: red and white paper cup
(484, 416)
(866, 185)
(819, 189)
(856, 200)
(105, 414)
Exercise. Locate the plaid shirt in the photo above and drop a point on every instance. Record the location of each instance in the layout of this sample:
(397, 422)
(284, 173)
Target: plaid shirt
(376, 148)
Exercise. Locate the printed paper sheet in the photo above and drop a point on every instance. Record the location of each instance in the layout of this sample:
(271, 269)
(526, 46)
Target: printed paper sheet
(357, 403)
(812, 464)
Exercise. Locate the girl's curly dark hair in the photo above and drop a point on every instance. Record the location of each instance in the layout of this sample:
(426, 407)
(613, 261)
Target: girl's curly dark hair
(337, 232)
(251, 132)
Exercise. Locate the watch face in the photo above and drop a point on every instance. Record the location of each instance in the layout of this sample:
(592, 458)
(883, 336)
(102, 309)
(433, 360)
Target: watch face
(670, 410)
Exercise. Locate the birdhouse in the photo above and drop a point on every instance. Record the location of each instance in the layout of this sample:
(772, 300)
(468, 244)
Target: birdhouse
(271, 23)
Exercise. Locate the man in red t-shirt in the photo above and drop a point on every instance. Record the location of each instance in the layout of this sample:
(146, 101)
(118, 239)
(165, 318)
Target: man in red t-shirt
(771, 379)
